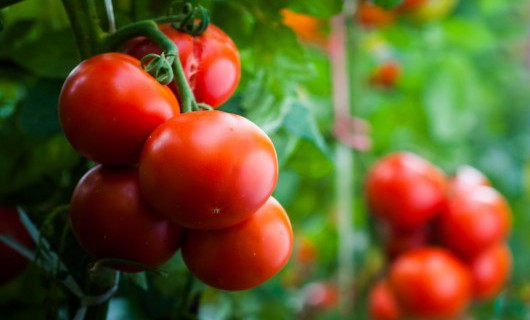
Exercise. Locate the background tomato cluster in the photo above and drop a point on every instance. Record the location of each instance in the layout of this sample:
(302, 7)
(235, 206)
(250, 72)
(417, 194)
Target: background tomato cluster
(461, 97)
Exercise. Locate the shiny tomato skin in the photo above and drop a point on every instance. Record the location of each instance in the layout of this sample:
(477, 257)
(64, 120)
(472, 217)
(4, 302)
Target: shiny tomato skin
(210, 61)
(466, 177)
(405, 190)
(108, 107)
(242, 256)
(431, 283)
(111, 219)
(208, 169)
(473, 220)
(11, 262)
(382, 304)
(490, 270)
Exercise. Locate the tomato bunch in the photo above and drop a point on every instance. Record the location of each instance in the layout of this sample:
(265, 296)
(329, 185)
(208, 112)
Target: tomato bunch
(445, 238)
(201, 180)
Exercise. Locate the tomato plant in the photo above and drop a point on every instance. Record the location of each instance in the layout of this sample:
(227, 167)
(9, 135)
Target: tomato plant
(474, 219)
(382, 304)
(490, 270)
(431, 283)
(242, 256)
(405, 190)
(222, 169)
(210, 61)
(111, 219)
(12, 263)
(109, 106)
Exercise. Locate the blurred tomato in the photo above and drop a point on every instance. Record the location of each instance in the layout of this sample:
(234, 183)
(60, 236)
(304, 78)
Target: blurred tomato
(371, 15)
(405, 190)
(490, 270)
(321, 295)
(382, 304)
(474, 220)
(306, 251)
(397, 242)
(306, 27)
(431, 283)
(467, 177)
(386, 74)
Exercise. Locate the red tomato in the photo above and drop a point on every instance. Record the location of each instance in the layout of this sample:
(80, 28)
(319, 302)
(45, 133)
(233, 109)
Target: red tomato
(398, 242)
(467, 177)
(111, 219)
(382, 304)
(474, 220)
(243, 256)
(208, 169)
(210, 61)
(386, 74)
(321, 295)
(371, 15)
(306, 251)
(11, 262)
(405, 190)
(430, 283)
(490, 270)
(109, 106)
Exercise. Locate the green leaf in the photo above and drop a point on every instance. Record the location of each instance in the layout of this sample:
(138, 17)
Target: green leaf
(139, 279)
(318, 8)
(388, 4)
(7, 3)
(300, 122)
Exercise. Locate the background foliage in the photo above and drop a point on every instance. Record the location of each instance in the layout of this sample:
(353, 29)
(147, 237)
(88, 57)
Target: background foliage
(462, 99)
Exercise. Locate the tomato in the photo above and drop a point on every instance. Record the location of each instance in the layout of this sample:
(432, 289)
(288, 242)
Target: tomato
(208, 169)
(306, 252)
(431, 282)
(490, 270)
(371, 15)
(396, 242)
(210, 61)
(321, 295)
(306, 27)
(108, 107)
(242, 256)
(111, 219)
(405, 190)
(467, 177)
(382, 304)
(386, 74)
(410, 5)
(474, 219)
(11, 262)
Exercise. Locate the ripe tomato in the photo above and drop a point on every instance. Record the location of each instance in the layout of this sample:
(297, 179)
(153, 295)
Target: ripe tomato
(11, 262)
(382, 304)
(474, 220)
(397, 242)
(109, 106)
(210, 61)
(111, 219)
(306, 27)
(371, 15)
(490, 270)
(386, 74)
(208, 169)
(467, 177)
(431, 282)
(321, 295)
(242, 256)
(405, 190)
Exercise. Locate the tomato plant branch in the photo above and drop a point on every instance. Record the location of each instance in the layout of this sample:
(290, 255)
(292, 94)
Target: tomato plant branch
(77, 15)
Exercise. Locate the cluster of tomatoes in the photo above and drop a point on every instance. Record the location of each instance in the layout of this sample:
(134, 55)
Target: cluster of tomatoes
(445, 238)
(201, 181)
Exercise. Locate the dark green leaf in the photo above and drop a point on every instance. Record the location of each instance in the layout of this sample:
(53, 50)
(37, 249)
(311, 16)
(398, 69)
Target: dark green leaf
(7, 3)
(388, 4)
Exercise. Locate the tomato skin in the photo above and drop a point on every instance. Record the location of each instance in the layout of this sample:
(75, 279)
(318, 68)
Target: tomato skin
(473, 220)
(371, 15)
(111, 219)
(242, 256)
(405, 190)
(431, 282)
(467, 177)
(397, 242)
(12, 263)
(490, 270)
(208, 169)
(386, 74)
(382, 304)
(108, 107)
(210, 61)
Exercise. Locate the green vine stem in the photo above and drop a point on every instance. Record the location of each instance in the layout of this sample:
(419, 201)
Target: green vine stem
(84, 22)
(149, 29)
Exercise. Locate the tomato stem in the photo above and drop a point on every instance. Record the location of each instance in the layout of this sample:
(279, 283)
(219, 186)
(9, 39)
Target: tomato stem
(85, 24)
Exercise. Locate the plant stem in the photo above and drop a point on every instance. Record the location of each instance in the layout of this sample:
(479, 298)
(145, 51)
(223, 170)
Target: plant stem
(149, 29)
(76, 15)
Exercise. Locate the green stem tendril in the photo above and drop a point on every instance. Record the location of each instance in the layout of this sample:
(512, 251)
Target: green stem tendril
(194, 18)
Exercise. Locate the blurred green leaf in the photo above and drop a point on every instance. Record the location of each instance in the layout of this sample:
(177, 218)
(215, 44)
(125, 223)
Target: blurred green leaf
(388, 4)
(300, 122)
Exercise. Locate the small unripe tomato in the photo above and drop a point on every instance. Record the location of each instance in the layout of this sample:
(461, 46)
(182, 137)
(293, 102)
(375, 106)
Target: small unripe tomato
(111, 219)
(431, 283)
(12, 263)
(242, 256)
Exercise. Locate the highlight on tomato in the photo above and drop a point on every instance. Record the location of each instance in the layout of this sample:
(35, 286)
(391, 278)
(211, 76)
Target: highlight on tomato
(466, 177)
(211, 61)
(242, 256)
